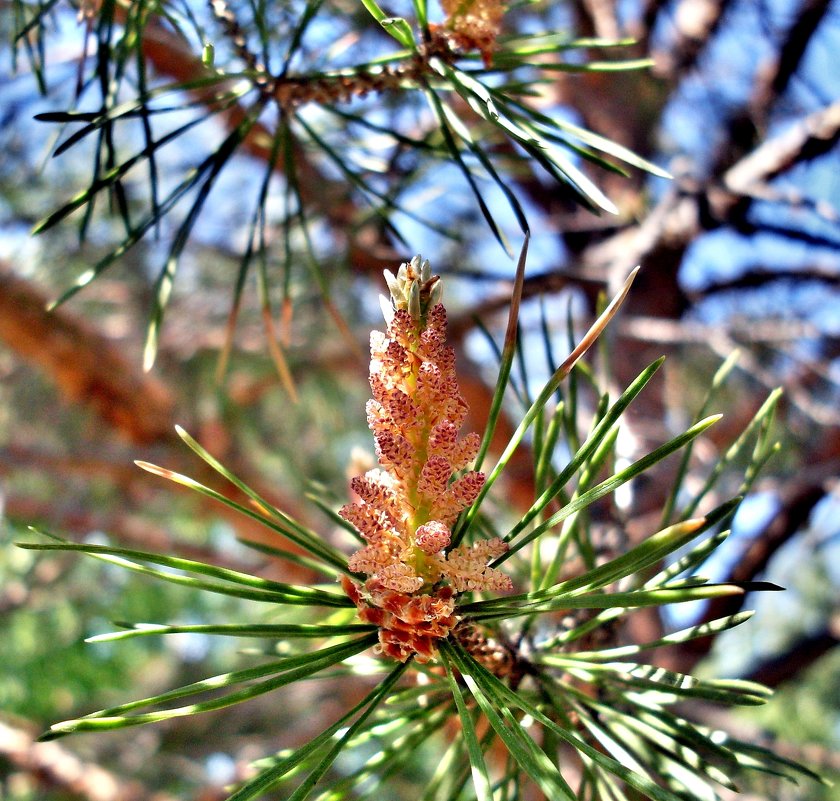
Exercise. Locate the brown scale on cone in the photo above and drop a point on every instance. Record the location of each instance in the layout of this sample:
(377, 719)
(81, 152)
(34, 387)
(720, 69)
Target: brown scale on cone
(406, 509)
(491, 653)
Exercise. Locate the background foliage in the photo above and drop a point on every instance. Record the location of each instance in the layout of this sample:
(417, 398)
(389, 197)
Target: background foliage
(741, 248)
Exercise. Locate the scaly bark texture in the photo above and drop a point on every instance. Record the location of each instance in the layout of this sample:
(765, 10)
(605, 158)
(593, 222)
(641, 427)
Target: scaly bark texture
(406, 507)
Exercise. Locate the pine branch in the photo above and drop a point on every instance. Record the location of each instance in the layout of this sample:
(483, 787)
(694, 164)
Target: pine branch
(695, 24)
(808, 139)
(794, 660)
(57, 770)
(87, 367)
(774, 82)
(797, 503)
(171, 57)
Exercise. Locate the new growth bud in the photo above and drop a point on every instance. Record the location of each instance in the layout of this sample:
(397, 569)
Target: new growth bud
(414, 288)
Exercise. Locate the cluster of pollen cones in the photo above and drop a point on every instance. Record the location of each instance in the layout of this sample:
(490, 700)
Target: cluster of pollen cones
(405, 509)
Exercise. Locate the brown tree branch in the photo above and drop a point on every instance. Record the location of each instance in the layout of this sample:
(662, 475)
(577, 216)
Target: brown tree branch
(666, 232)
(774, 80)
(809, 138)
(798, 500)
(694, 24)
(602, 18)
(55, 769)
(671, 333)
(759, 276)
(748, 123)
(798, 657)
(88, 368)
